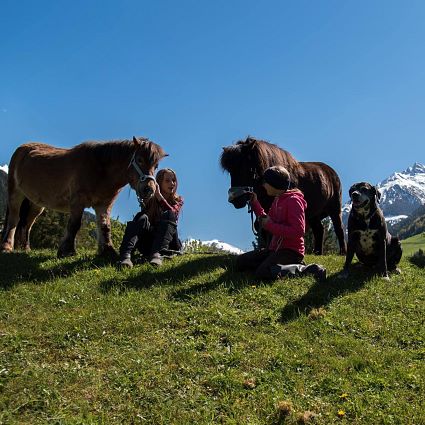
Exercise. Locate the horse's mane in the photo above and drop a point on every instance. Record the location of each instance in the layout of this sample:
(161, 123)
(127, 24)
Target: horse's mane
(107, 151)
(116, 150)
(259, 153)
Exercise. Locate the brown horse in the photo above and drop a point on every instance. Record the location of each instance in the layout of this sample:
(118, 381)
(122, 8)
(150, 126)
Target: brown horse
(68, 180)
(246, 161)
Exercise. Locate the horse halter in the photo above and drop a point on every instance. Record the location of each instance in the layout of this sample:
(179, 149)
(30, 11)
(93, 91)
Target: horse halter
(142, 177)
(237, 191)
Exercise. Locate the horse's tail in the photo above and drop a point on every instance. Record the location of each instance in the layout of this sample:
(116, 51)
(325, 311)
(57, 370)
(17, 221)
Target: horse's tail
(3, 232)
(21, 226)
(11, 187)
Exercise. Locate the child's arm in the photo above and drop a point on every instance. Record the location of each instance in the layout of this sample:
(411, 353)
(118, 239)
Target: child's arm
(175, 208)
(165, 205)
(295, 225)
(256, 206)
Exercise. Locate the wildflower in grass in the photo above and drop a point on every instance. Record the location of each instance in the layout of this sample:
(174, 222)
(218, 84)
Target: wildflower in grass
(250, 384)
(305, 417)
(317, 313)
(341, 413)
(343, 396)
(284, 408)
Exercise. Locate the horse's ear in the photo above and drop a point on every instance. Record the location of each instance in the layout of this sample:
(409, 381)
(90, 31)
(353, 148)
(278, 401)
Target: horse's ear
(136, 141)
(250, 142)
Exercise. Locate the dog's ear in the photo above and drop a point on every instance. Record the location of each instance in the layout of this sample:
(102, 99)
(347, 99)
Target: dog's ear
(377, 194)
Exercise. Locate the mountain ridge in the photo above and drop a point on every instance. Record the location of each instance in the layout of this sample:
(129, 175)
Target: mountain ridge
(402, 195)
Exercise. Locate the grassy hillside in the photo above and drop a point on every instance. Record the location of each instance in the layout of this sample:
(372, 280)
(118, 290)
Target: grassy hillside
(413, 244)
(197, 343)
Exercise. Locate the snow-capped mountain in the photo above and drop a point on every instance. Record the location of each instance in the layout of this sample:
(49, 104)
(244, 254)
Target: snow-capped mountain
(4, 168)
(401, 194)
(223, 246)
(216, 245)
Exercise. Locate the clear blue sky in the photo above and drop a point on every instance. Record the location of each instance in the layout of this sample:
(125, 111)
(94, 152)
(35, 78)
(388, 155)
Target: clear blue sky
(336, 81)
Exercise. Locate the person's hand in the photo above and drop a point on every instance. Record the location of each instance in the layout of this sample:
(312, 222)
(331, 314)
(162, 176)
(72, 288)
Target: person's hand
(253, 197)
(264, 220)
(157, 194)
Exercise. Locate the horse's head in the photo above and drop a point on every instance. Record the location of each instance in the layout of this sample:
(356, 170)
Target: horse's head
(240, 161)
(143, 163)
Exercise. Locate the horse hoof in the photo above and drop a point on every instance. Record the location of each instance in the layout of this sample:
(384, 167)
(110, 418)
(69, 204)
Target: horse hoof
(6, 249)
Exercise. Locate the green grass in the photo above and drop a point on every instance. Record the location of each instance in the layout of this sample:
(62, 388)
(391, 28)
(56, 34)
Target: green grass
(413, 244)
(197, 343)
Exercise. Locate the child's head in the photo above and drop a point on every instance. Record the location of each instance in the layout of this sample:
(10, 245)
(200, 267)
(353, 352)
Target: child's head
(276, 180)
(167, 180)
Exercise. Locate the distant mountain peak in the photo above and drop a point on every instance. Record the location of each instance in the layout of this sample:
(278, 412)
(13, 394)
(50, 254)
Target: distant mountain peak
(216, 245)
(4, 168)
(401, 193)
(416, 168)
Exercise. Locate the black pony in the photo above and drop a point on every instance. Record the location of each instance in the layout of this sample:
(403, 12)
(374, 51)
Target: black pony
(246, 161)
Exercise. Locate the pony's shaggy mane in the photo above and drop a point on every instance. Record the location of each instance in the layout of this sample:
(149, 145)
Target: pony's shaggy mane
(107, 151)
(259, 152)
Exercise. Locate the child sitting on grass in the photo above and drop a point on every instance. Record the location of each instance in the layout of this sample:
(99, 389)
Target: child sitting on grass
(286, 223)
(154, 230)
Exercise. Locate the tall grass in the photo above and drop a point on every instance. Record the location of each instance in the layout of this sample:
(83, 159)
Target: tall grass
(195, 342)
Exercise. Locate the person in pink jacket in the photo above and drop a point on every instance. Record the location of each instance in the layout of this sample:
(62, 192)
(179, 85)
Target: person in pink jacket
(285, 222)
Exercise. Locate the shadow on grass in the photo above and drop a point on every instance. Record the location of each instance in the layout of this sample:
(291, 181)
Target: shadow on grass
(321, 294)
(230, 280)
(18, 267)
(178, 273)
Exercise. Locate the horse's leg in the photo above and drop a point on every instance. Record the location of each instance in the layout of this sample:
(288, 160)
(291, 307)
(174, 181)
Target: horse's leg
(103, 219)
(21, 226)
(15, 200)
(33, 212)
(318, 232)
(339, 231)
(67, 245)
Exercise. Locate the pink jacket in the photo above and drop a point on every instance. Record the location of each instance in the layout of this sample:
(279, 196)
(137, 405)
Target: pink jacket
(286, 221)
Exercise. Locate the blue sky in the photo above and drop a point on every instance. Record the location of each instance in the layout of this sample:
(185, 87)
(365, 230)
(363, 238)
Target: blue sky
(341, 82)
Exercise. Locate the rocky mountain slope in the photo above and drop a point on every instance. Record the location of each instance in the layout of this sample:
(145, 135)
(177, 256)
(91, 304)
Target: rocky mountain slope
(402, 194)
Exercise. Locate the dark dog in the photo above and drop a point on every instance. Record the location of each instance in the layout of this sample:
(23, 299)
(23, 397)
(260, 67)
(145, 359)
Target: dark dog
(368, 236)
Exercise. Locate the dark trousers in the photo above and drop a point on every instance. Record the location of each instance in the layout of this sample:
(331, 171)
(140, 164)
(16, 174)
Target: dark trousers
(148, 239)
(263, 260)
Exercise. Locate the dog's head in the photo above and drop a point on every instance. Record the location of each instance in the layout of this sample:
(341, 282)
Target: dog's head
(364, 196)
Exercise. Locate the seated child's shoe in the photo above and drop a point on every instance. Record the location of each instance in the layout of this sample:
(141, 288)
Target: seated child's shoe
(126, 263)
(318, 271)
(156, 259)
(275, 271)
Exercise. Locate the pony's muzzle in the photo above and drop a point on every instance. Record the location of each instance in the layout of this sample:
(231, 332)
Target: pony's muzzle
(146, 189)
(239, 196)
